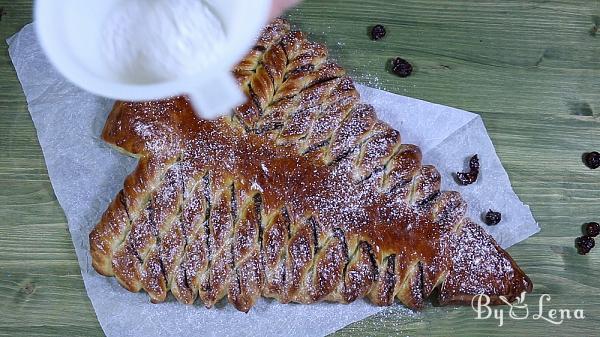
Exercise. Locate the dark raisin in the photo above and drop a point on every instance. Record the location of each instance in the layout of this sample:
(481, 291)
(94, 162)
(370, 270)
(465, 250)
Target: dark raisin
(377, 32)
(493, 218)
(467, 178)
(584, 244)
(401, 67)
(259, 48)
(474, 163)
(591, 229)
(302, 69)
(592, 160)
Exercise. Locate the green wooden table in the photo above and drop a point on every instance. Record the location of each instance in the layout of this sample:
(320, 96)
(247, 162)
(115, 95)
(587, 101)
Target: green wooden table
(530, 68)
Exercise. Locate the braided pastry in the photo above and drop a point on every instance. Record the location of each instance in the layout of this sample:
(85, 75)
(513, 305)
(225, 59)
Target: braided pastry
(302, 195)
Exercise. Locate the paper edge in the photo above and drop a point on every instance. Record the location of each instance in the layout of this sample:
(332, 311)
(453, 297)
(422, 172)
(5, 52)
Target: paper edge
(532, 231)
(472, 115)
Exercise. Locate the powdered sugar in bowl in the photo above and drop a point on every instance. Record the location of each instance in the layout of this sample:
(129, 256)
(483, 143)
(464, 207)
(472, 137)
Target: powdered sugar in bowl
(152, 49)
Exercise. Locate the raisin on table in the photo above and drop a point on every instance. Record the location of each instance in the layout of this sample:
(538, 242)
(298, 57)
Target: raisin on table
(584, 244)
(591, 229)
(377, 32)
(592, 159)
(401, 67)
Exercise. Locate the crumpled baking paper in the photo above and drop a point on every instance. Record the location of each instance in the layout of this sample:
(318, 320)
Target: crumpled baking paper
(86, 173)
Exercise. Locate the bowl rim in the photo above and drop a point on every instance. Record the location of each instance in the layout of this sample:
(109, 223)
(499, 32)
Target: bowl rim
(46, 10)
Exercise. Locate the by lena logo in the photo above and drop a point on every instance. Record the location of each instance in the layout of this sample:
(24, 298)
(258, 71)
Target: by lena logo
(520, 311)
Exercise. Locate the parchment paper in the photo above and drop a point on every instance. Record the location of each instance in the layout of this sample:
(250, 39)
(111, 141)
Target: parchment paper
(86, 173)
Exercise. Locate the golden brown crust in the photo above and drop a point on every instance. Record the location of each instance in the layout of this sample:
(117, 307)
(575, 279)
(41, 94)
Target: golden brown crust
(303, 195)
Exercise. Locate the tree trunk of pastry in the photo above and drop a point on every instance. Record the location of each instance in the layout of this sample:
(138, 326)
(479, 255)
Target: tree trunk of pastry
(302, 196)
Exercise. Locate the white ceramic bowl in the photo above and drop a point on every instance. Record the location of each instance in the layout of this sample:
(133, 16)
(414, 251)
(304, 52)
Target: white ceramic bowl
(70, 34)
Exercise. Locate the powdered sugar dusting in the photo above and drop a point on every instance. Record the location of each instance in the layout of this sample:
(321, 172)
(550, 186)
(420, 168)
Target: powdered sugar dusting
(325, 196)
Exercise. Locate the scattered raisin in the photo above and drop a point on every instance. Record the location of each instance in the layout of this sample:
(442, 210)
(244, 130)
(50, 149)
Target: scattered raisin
(591, 229)
(401, 67)
(467, 178)
(474, 163)
(377, 32)
(592, 160)
(584, 244)
(493, 218)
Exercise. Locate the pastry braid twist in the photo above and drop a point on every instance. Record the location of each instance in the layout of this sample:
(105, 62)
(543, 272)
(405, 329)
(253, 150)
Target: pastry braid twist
(302, 195)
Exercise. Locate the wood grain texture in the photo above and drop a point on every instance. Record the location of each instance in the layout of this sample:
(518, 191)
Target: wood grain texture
(530, 68)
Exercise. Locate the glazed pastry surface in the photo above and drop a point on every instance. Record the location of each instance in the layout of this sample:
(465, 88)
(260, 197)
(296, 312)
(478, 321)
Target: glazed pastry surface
(301, 195)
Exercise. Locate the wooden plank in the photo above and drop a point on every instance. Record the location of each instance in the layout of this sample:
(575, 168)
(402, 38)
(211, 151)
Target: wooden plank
(530, 68)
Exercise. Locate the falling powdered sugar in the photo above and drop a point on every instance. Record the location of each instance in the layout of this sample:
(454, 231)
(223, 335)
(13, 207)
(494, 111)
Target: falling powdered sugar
(158, 40)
